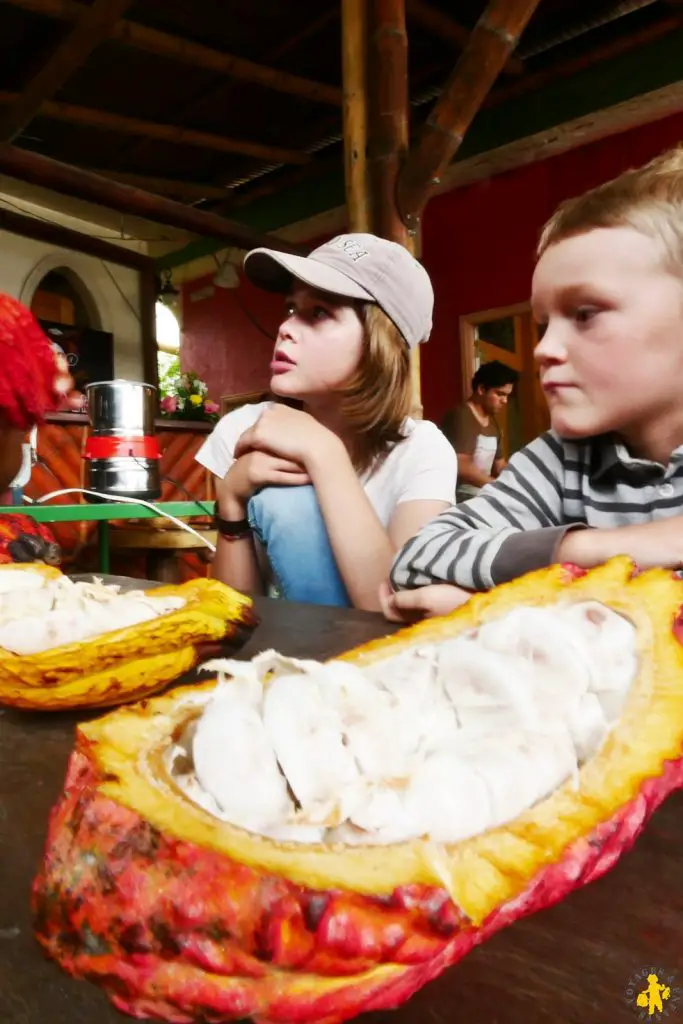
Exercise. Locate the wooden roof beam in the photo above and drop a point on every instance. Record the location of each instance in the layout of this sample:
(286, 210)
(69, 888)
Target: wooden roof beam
(72, 181)
(445, 27)
(93, 25)
(223, 91)
(494, 37)
(164, 132)
(151, 40)
(66, 238)
(188, 191)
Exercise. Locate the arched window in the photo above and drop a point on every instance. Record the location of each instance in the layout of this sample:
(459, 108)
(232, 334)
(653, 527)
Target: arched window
(168, 338)
(62, 298)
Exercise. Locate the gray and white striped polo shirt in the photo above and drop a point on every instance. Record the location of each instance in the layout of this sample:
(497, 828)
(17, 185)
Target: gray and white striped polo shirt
(515, 523)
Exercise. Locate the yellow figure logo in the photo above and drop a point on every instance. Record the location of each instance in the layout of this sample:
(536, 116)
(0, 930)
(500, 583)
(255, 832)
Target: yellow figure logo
(654, 996)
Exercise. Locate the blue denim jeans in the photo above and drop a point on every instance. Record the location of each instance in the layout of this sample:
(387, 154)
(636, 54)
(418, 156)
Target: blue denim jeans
(290, 526)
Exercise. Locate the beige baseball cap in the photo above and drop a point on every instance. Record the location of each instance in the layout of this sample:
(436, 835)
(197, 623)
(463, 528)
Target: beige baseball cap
(356, 266)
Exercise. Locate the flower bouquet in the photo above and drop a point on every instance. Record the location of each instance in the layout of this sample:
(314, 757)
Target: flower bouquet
(185, 396)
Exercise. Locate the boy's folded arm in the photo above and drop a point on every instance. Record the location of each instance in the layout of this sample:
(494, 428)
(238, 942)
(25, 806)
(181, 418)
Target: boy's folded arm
(650, 545)
(533, 549)
(513, 525)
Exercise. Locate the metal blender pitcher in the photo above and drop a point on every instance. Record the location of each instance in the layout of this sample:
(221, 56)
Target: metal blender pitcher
(122, 451)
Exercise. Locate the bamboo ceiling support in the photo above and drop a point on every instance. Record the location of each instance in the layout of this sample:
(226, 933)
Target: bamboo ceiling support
(443, 26)
(189, 191)
(388, 79)
(71, 181)
(494, 37)
(388, 135)
(152, 40)
(354, 66)
(92, 27)
(106, 121)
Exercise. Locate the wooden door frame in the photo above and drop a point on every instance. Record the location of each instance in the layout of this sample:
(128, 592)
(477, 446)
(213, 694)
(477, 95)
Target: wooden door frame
(532, 403)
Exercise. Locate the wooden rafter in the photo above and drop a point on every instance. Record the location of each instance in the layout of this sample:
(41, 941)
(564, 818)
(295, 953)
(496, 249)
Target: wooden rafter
(151, 40)
(494, 37)
(189, 191)
(446, 27)
(224, 90)
(93, 25)
(71, 181)
(537, 80)
(270, 185)
(66, 238)
(165, 132)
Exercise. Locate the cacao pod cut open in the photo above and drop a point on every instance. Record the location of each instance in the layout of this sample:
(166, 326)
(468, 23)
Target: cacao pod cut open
(183, 917)
(116, 665)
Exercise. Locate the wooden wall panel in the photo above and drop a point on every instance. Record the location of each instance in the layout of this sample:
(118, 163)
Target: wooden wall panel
(61, 465)
(178, 463)
(179, 467)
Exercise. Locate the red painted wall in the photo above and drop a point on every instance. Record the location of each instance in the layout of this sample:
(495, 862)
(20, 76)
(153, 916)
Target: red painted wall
(477, 244)
(228, 334)
(219, 340)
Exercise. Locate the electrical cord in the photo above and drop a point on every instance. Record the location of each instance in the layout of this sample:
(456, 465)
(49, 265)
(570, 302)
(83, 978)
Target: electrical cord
(270, 335)
(189, 494)
(130, 501)
(201, 555)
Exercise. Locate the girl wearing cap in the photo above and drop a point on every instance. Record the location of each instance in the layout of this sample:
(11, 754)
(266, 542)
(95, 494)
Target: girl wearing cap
(320, 487)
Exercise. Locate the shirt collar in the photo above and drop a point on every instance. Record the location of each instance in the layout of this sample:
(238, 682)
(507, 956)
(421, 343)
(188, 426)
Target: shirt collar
(608, 453)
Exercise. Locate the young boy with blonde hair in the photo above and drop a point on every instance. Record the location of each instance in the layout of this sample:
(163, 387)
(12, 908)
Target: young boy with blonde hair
(607, 478)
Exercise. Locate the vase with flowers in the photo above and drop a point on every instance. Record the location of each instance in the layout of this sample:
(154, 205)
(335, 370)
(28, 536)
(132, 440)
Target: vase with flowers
(184, 396)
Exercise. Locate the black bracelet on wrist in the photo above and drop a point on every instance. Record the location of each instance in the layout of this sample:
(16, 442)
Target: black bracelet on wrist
(233, 529)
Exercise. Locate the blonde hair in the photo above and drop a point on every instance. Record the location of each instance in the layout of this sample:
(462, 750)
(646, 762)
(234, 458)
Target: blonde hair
(377, 399)
(648, 199)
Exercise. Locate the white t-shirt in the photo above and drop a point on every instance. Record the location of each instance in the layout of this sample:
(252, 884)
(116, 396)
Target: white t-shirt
(422, 467)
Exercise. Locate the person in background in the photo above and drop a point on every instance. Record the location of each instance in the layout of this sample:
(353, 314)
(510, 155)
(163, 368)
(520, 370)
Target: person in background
(33, 381)
(318, 489)
(607, 478)
(473, 429)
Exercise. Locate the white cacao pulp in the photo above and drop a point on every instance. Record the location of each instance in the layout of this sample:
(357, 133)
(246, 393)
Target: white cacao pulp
(440, 741)
(38, 613)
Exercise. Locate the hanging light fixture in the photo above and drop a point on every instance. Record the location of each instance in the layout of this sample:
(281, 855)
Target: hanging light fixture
(226, 276)
(167, 292)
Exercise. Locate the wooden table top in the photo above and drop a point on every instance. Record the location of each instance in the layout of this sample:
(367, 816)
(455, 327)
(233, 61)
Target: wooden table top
(571, 964)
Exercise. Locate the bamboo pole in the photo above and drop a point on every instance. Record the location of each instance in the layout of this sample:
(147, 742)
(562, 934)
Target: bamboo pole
(66, 238)
(354, 68)
(71, 181)
(389, 112)
(537, 80)
(445, 27)
(92, 27)
(106, 121)
(388, 136)
(224, 93)
(189, 191)
(152, 40)
(494, 37)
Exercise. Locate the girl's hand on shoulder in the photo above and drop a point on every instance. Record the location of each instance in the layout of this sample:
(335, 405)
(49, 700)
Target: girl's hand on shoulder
(423, 603)
(249, 473)
(289, 433)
